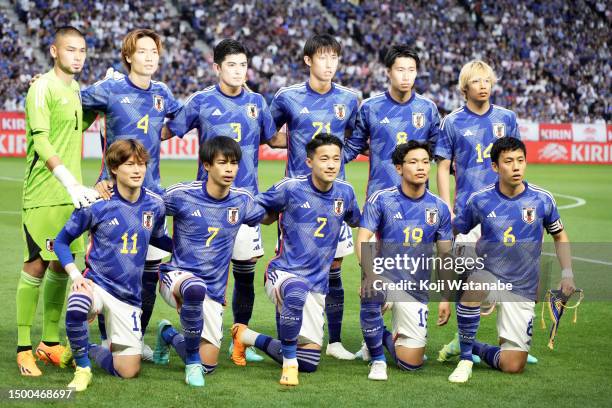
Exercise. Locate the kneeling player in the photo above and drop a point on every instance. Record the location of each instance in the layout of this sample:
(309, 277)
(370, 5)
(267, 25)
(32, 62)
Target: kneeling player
(207, 217)
(120, 231)
(513, 215)
(407, 219)
(312, 209)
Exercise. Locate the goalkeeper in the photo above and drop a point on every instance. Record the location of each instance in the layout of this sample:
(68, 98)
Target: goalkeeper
(52, 186)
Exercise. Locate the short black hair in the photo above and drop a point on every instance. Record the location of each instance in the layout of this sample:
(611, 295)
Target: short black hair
(506, 144)
(228, 47)
(220, 146)
(322, 139)
(401, 51)
(67, 30)
(321, 42)
(397, 157)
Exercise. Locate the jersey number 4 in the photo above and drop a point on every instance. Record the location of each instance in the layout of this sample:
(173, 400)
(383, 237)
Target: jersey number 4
(143, 124)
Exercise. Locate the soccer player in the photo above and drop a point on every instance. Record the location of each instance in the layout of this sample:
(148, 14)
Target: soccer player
(513, 216)
(135, 107)
(119, 233)
(207, 217)
(392, 118)
(229, 109)
(51, 187)
(312, 210)
(408, 219)
(308, 109)
(467, 135)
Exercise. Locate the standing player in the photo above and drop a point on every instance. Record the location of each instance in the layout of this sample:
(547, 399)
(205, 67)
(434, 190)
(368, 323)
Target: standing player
(513, 216)
(120, 230)
(392, 118)
(54, 133)
(229, 109)
(207, 217)
(407, 219)
(309, 109)
(135, 107)
(312, 210)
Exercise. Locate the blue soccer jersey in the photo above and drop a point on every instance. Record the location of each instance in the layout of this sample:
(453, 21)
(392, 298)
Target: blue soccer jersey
(408, 226)
(310, 221)
(204, 231)
(466, 139)
(383, 123)
(118, 241)
(244, 117)
(512, 232)
(308, 113)
(132, 113)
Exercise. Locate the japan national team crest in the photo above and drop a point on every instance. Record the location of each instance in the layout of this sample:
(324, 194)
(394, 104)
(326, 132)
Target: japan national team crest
(418, 120)
(232, 215)
(338, 206)
(147, 219)
(431, 216)
(252, 111)
(499, 130)
(340, 111)
(158, 102)
(529, 214)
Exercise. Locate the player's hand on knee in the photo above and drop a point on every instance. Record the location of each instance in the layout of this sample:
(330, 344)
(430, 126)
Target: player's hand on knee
(82, 285)
(567, 286)
(444, 313)
(105, 189)
(82, 196)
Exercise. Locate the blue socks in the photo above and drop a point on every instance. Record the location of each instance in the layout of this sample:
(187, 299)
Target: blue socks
(372, 326)
(468, 320)
(244, 291)
(294, 292)
(193, 291)
(150, 277)
(308, 360)
(490, 354)
(334, 305)
(103, 358)
(77, 327)
(270, 346)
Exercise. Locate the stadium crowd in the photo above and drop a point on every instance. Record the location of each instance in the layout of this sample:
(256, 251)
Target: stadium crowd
(552, 58)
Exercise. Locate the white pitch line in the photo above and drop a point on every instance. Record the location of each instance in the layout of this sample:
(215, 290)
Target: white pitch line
(578, 258)
(10, 212)
(579, 201)
(4, 178)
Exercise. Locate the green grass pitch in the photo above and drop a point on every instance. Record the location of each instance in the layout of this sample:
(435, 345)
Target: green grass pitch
(576, 373)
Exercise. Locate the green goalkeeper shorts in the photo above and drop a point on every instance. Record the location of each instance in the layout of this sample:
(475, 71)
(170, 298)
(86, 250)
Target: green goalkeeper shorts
(40, 227)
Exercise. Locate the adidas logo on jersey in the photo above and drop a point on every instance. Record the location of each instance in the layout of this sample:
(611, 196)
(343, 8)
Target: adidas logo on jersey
(304, 110)
(217, 112)
(398, 216)
(385, 121)
(114, 221)
(125, 100)
(305, 205)
(492, 215)
(468, 133)
(196, 213)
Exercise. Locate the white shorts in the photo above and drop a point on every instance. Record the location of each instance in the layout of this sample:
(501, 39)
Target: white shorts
(515, 315)
(212, 331)
(409, 322)
(345, 242)
(314, 308)
(248, 243)
(122, 322)
(465, 244)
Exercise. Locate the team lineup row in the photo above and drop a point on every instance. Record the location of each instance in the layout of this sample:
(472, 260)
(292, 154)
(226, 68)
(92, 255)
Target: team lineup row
(137, 108)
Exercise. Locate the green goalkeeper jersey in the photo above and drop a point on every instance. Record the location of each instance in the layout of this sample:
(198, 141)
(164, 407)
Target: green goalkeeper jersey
(53, 111)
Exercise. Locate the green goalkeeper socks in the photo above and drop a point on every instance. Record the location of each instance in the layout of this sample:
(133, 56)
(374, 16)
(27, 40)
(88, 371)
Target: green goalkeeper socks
(54, 296)
(28, 289)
